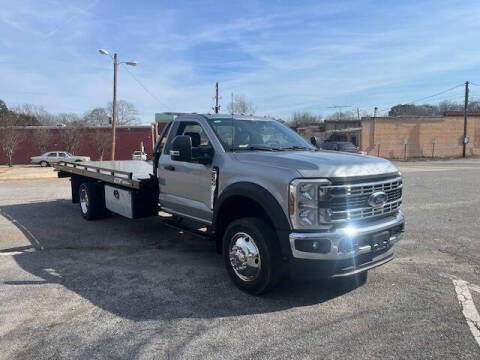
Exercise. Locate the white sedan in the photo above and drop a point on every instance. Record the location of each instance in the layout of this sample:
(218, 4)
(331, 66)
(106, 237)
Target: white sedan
(53, 157)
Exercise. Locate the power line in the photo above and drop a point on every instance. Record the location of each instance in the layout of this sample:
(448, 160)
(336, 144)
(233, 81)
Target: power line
(145, 88)
(439, 93)
(430, 96)
(338, 106)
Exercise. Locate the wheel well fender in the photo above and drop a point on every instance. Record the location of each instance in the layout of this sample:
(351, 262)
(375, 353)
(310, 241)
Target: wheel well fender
(245, 199)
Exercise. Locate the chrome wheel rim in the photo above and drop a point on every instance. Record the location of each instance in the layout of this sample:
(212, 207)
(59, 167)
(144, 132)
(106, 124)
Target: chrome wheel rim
(245, 257)
(84, 200)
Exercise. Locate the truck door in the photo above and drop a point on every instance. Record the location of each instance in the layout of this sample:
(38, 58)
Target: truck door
(185, 187)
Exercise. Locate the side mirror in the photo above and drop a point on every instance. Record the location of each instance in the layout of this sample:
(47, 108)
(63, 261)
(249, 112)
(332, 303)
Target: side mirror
(181, 148)
(313, 141)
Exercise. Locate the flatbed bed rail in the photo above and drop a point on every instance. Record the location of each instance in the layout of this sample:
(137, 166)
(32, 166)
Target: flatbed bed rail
(123, 178)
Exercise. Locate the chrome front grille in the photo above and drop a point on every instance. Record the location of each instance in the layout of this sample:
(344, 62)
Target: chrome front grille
(350, 202)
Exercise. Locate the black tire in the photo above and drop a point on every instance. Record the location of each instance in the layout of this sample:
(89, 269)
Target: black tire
(43, 163)
(91, 200)
(270, 270)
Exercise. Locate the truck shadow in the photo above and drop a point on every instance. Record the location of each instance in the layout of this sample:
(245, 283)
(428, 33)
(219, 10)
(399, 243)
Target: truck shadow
(139, 269)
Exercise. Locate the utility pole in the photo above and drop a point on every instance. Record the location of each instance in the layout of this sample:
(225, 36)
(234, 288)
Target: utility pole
(358, 114)
(114, 104)
(217, 107)
(465, 141)
(232, 104)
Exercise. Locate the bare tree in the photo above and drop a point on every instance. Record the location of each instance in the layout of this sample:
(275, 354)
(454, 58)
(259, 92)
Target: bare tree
(100, 140)
(72, 137)
(36, 112)
(342, 115)
(10, 137)
(446, 105)
(20, 119)
(97, 117)
(305, 118)
(241, 106)
(474, 106)
(69, 119)
(43, 138)
(126, 112)
(418, 110)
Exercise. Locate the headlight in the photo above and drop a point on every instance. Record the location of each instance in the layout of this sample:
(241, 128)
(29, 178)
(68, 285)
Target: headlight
(305, 195)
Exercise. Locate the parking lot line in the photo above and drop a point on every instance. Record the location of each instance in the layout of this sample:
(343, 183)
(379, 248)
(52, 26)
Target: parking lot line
(469, 310)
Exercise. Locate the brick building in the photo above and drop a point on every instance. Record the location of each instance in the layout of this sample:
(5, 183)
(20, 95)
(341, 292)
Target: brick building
(128, 139)
(420, 137)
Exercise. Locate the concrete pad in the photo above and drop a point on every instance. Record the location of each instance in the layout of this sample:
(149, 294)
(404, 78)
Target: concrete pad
(25, 172)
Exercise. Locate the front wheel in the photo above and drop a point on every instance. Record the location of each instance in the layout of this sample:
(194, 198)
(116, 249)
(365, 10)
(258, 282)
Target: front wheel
(43, 163)
(252, 255)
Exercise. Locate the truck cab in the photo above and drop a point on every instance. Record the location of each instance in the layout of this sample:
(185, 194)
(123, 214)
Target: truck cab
(276, 204)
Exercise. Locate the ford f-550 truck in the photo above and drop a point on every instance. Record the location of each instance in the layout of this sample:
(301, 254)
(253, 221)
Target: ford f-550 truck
(273, 203)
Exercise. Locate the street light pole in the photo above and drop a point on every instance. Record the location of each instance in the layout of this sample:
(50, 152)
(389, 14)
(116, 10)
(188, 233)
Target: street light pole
(114, 105)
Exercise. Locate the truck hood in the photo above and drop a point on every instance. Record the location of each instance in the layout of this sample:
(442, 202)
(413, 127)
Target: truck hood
(328, 164)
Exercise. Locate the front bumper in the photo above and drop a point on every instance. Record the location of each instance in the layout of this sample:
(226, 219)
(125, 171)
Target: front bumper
(348, 242)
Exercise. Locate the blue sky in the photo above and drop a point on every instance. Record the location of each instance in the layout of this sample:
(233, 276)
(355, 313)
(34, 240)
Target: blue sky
(284, 56)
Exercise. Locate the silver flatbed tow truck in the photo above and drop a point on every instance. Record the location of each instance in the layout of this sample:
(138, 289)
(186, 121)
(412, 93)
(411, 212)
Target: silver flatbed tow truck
(274, 204)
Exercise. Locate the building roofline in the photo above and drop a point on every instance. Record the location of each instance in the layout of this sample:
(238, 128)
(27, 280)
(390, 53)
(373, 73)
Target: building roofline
(84, 127)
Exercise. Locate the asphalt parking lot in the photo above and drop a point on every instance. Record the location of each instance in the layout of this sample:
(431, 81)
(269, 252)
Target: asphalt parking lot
(118, 288)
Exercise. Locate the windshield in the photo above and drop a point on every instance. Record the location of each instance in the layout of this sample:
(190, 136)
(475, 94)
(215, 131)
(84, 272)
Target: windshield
(346, 146)
(270, 135)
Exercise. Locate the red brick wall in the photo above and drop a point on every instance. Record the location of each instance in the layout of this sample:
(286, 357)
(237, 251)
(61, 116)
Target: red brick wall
(420, 132)
(128, 140)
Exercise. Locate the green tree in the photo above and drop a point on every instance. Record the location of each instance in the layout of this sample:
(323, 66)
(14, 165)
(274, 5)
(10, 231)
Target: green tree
(3, 108)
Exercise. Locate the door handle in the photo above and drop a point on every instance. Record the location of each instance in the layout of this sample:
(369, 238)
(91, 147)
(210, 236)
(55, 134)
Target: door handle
(169, 167)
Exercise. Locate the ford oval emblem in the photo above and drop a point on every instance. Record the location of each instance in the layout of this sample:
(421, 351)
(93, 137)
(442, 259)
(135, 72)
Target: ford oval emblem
(377, 199)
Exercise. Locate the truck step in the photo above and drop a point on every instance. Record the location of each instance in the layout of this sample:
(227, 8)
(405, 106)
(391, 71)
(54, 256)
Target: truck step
(201, 232)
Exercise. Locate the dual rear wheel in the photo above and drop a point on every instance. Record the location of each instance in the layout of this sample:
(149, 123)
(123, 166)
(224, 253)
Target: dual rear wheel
(92, 200)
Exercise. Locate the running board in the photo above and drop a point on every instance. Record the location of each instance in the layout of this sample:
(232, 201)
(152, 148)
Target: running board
(178, 226)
